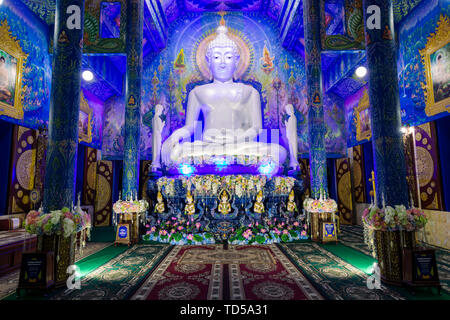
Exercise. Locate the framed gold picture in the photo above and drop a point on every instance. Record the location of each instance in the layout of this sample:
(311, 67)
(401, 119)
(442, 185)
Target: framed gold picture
(85, 121)
(363, 128)
(436, 62)
(12, 61)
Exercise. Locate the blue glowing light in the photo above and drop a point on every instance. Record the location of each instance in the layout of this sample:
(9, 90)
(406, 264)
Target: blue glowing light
(186, 169)
(266, 168)
(221, 163)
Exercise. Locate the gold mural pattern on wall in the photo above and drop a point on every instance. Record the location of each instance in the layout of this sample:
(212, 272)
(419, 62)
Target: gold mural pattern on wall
(24, 162)
(11, 90)
(103, 197)
(344, 190)
(358, 174)
(90, 176)
(428, 168)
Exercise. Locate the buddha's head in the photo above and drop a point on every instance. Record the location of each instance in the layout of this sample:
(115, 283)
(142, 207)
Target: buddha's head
(259, 196)
(158, 109)
(291, 195)
(289, 109)
(224, 196)
(189, 197)
(222, 55)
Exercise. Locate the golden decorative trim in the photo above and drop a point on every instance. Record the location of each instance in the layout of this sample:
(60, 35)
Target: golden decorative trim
(11, 46)
(84, 107)
(363, 104)
(436, 40)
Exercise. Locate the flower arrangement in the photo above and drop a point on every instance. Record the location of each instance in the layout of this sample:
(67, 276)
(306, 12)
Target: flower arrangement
(394, 218)
(318, 206)
(130, 206)
(178, 231)
(60, 222)
(239, 185)
(269, 232)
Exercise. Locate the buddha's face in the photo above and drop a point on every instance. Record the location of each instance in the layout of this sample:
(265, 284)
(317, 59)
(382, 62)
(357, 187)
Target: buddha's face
(222, 63)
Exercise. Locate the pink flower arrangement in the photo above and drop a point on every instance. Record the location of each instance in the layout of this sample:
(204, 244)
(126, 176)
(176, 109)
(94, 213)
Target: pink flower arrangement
(392, 219)
(190, 236)
(59, 222)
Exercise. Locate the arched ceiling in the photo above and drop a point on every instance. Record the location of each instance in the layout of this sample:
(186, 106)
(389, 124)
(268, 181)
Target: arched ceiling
(338, 66)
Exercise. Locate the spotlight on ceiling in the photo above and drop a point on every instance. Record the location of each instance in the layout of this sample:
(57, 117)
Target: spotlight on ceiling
(87, 75)
(361, 72)
(1, 2)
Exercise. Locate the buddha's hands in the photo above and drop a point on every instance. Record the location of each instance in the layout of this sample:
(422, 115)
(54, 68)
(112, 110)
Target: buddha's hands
(229, 136)
(172, 143)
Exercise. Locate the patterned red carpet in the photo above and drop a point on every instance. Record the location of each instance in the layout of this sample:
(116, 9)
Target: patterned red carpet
(238, 273)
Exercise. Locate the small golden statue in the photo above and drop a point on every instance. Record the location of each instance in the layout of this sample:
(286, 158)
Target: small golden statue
(189, 209)
(291, 206)
(160, 207)
(224, 205)
(259, 206)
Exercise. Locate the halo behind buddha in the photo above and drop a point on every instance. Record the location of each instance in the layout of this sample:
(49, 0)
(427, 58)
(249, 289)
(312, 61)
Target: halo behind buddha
(244, 49)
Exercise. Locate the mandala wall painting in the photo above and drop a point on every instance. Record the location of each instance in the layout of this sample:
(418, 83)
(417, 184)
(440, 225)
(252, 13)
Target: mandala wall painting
(436, 62)
(358, 174)
(344, 187)
(103, 198)
(12, 61)
(24, 162)
(428, 168)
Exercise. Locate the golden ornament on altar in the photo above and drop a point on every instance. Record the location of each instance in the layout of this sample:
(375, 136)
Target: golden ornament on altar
(224, 205)
(160, 207)
(189, 209)
(291, 206)
(259, 206)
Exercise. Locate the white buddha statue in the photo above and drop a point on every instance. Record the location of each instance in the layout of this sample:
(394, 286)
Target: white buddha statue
(231, 110)
(291, 133)
(157, 128)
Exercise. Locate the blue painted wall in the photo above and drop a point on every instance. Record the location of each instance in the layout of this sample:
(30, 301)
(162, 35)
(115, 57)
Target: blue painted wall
(6, 131)
(443, 138)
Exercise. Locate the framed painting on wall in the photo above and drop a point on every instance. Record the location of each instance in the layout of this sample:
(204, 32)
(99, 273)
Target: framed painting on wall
(436, 62)
(362, 118)
(85, 121)
(12, 61)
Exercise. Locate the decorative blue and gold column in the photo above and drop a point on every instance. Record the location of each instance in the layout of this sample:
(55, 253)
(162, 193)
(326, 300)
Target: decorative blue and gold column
(130, 181)
(389, 159)
(61, 157)
(316, 124)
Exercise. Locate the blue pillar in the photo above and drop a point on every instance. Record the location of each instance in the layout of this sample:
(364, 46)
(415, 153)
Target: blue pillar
(389, 158)
(316, 124)
(64, 105)
(130, 182)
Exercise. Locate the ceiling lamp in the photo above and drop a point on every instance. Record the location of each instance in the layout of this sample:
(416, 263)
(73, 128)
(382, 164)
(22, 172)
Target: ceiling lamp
(87, 75)
(361, 72)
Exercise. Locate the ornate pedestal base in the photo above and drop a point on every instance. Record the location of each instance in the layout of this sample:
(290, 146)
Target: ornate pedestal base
(389, 246)
(316, 219)
(64, 255)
